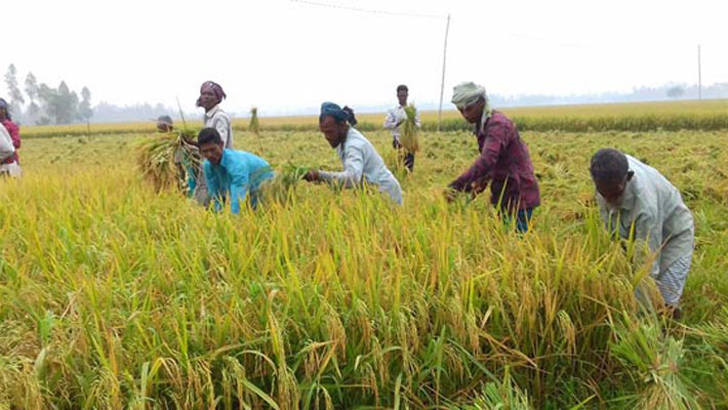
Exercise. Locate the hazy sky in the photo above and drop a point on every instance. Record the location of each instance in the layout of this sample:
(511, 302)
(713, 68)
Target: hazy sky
(281, 54)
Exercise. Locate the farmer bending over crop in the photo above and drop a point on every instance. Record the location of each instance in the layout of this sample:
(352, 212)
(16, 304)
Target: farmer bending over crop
(11, 165)
(395, 118)
(231, 175)
(632, 195)
(362, 163)
(504, 158)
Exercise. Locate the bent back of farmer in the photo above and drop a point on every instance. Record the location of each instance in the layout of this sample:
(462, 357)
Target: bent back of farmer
(631, 194)
(231, 176)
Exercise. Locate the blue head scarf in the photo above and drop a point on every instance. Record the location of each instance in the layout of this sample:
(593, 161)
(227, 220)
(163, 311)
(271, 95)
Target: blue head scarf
(345, 114)
(331, 109)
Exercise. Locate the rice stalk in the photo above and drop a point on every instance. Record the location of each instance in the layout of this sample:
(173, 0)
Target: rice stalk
(254, 126)
(169, 160)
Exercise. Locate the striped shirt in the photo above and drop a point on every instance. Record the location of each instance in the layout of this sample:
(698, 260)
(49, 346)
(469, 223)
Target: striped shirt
(218, 119)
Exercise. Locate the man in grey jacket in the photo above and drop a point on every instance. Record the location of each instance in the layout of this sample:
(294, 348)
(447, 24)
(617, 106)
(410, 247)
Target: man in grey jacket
(637, 202)
(362, 164)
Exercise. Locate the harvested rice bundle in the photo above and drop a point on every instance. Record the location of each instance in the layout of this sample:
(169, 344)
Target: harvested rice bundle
(254, 124)
(410, 138)
(280, 188)
(169, 159)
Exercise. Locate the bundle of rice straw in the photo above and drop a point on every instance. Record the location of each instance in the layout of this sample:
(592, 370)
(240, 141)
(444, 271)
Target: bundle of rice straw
(254, 125)
(410, 131)
(281, 187)
(168, 160)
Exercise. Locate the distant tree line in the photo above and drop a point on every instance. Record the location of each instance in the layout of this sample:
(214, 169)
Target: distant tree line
(45, 104)
(668, 91)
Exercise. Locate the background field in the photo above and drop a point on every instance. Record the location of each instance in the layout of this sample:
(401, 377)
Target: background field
(652, 116)
(115, 296)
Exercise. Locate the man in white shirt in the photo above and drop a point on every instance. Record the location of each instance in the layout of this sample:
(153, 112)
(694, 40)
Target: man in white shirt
(211, 95)
(362, 164)
(395, 118)
(637, 202)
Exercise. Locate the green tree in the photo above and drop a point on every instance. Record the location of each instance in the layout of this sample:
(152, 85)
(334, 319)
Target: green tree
(31, 90)
(58, 106)
(16, 96)
(675, 92)
(85, 112)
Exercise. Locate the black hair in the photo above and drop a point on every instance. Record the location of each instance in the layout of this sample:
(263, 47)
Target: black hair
(609, 165)
(350, 113)
(402, 87)
(208, 135)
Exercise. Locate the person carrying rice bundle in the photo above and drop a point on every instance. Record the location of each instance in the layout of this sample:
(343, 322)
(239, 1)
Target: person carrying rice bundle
(396, 117)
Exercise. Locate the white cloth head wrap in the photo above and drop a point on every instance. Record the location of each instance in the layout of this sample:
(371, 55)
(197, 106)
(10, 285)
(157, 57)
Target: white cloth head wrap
(467, 93)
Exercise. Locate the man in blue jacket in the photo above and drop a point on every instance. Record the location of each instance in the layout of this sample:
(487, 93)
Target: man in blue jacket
(231, 175)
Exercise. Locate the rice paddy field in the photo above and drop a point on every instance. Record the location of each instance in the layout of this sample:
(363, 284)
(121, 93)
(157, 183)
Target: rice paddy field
(114, 295)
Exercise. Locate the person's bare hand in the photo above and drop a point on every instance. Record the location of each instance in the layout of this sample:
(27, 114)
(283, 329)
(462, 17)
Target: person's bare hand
(312, 176)
(450, 194)
(479, 186)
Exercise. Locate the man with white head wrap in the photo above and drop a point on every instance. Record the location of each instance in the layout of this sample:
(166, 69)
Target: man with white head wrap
(504, 158)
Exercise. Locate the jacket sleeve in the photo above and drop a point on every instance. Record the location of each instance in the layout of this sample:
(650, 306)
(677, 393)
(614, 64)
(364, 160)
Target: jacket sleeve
(495, 141)
(353, 171)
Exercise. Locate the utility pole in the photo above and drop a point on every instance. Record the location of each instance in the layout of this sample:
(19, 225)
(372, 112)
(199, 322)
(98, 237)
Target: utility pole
(700, 77)
(442, 84)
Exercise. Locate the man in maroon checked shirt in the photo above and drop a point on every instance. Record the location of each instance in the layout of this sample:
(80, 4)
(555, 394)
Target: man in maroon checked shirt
(504, 159)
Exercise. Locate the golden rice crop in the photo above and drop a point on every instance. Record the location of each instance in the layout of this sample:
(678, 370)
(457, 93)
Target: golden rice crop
(704, 115)
(116, 295)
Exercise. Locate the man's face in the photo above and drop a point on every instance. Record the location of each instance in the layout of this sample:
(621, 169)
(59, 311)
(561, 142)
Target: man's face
(473, 112)
(612, 192)
(402, 97)
(208, 100)
(333, 131)
(212, 152)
